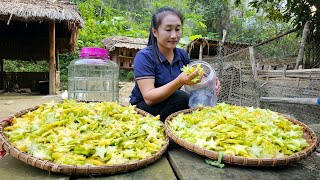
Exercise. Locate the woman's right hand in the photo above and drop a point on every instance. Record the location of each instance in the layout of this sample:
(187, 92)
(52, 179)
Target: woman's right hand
(185, 79)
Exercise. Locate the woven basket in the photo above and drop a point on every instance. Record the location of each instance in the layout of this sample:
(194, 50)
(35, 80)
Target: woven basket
(308, 134)
(73, 169)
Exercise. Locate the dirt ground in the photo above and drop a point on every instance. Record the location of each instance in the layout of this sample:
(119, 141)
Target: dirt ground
(11, 103)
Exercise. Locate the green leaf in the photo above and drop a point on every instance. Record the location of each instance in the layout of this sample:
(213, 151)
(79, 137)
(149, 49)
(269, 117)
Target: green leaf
(216, 163)
(198, 36)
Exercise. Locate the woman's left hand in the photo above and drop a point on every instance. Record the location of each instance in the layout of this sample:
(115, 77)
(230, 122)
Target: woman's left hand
(218, 87)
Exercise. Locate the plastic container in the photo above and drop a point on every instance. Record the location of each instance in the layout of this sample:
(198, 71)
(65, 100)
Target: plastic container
(93, 77)
(202, 98)
(203, 93)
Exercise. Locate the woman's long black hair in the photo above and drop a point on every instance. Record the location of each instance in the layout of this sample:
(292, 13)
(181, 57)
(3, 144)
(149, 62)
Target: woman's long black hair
(156, 22)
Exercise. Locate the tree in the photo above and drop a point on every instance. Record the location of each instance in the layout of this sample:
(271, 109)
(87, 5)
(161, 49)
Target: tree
(104, 18)
(252, 27)
(296, 11)
(101, 21)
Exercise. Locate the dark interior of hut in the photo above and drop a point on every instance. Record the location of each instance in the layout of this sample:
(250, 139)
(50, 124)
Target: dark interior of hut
(29, 41)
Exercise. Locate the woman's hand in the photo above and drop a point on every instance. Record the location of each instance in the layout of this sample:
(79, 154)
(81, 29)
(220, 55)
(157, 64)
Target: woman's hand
(218, 87)
(185, 79)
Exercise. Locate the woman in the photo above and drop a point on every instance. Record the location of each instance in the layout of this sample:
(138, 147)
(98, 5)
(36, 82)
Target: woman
(157, 68)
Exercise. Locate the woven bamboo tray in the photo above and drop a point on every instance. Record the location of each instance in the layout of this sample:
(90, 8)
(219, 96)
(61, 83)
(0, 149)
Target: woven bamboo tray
(73, 169)
(308, 134)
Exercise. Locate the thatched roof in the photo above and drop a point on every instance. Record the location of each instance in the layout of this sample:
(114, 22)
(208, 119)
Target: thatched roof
(120, 41)
(210, 47)
(24, 28)
(39, 10)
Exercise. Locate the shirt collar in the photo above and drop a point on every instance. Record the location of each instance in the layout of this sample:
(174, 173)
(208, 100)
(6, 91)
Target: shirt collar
(164, 59)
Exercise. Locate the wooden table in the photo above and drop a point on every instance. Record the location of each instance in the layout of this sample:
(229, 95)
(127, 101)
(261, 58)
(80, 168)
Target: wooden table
(13, 169)
(188, 165)
(179, 163)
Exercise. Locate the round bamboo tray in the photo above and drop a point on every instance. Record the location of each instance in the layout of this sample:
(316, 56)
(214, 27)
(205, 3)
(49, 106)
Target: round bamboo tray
(73, 169)
(308, 134)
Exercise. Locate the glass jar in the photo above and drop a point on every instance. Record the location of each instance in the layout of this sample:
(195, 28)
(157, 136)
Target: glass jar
(93, 77)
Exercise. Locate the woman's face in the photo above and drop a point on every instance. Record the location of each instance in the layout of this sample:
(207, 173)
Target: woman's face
(168, 33)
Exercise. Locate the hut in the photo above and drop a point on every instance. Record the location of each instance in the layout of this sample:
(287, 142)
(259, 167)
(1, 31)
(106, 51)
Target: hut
(34, 30)
(122, 50)
(208, 49)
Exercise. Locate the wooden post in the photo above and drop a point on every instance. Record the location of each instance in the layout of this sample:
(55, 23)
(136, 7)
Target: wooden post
(52, 59)
(284, 71)
(200, 51)
(57, 58)
(303, 42)
(253, 63)
(57, 85)
(2, 75)
(57, 71)
(269, 68)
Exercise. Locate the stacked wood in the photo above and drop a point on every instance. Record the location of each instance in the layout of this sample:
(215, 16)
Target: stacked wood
(301, 73)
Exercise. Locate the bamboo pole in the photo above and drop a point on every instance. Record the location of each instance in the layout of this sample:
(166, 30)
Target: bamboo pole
(231, 85)
(220, 54)
(277, 37)
(52, 61)
(303, 101)
(253, 63)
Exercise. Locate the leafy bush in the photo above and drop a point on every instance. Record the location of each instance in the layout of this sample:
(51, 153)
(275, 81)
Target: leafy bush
(130, 75)
(126, 75)
(64, 60)
(25, 66)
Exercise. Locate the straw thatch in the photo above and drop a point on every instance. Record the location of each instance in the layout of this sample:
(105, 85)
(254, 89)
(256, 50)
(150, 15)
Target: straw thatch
(210, 47)
(24, 28)
(125, 42)
(39, 10)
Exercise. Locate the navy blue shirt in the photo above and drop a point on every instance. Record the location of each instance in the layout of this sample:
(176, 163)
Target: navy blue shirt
(147, 67)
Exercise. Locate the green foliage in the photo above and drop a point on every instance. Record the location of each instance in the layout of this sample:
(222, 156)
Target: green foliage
(130, 75)
(64, 60)
(214, 15)
(184, 41)
(126, 75)
(101, 21)
(195, 37)
(129, 18)
(25, 66)
(251, 27)
(296, 11)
